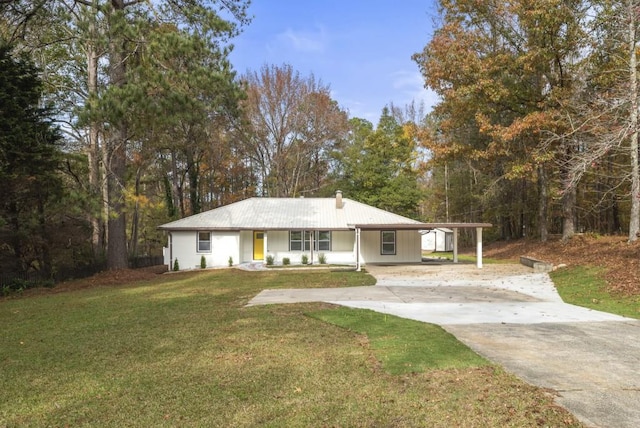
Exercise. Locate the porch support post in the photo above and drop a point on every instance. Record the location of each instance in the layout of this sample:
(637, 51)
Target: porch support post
(455, 245)
(265, 247)
(358, 266)
(479, 247)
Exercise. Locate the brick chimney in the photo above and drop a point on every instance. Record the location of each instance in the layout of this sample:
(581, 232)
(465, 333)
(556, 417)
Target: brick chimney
(339, 199)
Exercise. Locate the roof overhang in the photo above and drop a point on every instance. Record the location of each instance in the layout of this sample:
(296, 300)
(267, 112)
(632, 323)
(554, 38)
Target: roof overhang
(238, 229)
(384, 226)
(421, 226)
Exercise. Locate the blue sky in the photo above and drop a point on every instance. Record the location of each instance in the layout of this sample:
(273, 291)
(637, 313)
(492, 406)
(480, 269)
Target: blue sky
(360, 49)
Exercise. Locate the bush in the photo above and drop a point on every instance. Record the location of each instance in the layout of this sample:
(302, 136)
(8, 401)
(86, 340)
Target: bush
(305, 259)
(286, 261)
(203, 262)
(176, 265)
(269, 260)
(16, 285)
(322, 259)
(230, 261)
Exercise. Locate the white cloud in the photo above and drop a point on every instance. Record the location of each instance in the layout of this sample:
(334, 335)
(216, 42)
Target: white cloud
(411, 84)
(305, 41)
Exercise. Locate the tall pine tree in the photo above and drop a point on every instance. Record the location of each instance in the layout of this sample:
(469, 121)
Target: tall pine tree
(29, 158)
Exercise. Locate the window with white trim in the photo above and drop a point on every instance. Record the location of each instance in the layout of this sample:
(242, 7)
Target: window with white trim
(388, 242)
(295, 240)
(204, 242)
(321, 240)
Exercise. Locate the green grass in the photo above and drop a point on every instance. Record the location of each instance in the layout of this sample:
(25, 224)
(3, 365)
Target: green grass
(585, 286)
(404, 346)
(183, 350)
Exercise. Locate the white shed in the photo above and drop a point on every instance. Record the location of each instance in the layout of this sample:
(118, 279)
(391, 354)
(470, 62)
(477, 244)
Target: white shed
(438, 239)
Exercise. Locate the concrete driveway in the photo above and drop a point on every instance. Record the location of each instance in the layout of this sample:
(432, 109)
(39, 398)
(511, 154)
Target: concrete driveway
(514, 318)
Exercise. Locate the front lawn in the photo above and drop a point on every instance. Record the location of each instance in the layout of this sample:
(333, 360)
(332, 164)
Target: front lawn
(183, 350)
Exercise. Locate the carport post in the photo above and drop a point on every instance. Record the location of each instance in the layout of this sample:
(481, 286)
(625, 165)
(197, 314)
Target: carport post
(358, 267)
(479, 247)
(455, 245)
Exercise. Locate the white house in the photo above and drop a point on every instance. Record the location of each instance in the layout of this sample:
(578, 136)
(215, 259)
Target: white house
(437, 239)
(342, 230)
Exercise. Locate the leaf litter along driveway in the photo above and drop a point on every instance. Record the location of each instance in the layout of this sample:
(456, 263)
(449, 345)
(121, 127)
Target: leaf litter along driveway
(515, 318)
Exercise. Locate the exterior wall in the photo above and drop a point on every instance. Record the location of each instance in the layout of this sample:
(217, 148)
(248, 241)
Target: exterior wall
(246, 246)
(408, 249)
(343, 240)
(342, 248)
(239, 246)
(223, 246)
(277, 243)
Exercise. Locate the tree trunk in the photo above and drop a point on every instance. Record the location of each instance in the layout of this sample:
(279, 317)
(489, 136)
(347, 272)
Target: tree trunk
(176, 185)
(45, 252)
(634, 215)
(16, 242)
(117, 157)
(93, 153)
(117, 233)
(193, 172)
(568, 212)
(542, 204)
(569, 195)
(133, 245)
(168, 192)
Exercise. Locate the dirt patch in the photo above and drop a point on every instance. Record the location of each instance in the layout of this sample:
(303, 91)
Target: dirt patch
(102, 279)
(448, 271)
(619, 258)
(114, 277)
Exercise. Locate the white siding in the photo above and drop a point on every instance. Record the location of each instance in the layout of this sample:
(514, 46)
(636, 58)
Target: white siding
(278, 241)
(223, 246)
(407, 247)
(246, 246)
(341, 248)
(343, 240)
(239, 246)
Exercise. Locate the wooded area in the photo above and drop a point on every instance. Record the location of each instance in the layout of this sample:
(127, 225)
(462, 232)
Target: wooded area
(536, 130)
(117, 116)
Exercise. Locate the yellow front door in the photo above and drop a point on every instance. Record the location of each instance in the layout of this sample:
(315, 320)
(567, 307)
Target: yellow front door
(258, 245)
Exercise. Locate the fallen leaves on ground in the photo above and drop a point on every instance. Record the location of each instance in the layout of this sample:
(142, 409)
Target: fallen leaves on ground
(619, 258)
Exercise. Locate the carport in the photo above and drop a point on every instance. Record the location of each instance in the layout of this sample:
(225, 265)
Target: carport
(426, 226)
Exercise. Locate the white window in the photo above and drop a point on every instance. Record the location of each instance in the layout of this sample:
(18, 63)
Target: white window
(204, 242)
(388, 242)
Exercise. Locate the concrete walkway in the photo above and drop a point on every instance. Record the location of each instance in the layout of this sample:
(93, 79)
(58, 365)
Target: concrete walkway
(514, 318)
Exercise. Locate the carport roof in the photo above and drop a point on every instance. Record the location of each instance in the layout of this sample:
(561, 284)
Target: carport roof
(423, 226)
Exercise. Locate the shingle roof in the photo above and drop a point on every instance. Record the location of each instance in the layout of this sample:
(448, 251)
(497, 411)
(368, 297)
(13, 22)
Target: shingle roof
(288, 214)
